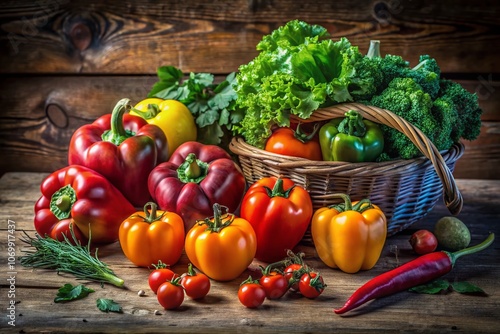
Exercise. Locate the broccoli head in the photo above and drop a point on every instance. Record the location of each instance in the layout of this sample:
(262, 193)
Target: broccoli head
(426, 73)
(406, 98)
(467, 123)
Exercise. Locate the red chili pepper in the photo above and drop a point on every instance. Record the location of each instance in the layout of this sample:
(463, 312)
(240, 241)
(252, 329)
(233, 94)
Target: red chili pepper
(416, 272)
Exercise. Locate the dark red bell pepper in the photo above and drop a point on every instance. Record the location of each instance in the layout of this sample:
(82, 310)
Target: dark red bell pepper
(195, 178)
(123, 148)
(81, 198)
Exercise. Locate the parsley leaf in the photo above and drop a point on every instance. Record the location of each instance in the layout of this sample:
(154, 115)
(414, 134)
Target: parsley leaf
(108, 305)
(467, 288)
(432, 288)
(69, 292)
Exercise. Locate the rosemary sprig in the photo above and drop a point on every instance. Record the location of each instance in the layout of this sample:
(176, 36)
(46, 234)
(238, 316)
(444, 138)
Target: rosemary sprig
(63, 256)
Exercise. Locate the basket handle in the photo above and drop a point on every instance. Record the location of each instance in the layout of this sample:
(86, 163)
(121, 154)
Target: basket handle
(452, 196)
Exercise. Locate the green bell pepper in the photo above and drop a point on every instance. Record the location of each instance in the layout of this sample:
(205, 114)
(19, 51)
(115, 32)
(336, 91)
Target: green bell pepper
(351, 139)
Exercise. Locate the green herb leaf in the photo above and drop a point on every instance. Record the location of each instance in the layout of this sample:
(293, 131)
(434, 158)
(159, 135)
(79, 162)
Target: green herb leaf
(108, 305)
(467, 288)
(67, 256)
(432, 288)
(69, 292)
(212, 104)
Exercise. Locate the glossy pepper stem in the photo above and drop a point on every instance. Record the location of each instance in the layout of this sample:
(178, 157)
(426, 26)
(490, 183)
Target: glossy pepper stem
(151, 215)
(416, 272)
(352, 124)
(117, 134)
(278, 189)
(62, 201)
(217, 223)
(470, 250)
(192, 169)
(360, 206)
(151, 112)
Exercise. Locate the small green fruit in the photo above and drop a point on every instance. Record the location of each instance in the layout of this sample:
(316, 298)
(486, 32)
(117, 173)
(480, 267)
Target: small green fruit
(452, 233)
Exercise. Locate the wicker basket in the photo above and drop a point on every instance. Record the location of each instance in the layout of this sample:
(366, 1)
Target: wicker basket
(406, 190)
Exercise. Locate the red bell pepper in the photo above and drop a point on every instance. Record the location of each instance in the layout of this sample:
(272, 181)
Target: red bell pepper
(195, 178)
(123, 148)
(280, 212)
(81, 198)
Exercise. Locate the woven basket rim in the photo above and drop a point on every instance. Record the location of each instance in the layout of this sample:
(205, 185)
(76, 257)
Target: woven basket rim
(452, 196)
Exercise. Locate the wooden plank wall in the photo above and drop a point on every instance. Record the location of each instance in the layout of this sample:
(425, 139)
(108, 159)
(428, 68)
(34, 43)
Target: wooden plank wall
(63, 63)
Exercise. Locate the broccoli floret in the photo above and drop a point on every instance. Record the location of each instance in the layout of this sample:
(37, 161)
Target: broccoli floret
(369, 76)
(367, 80)
(445, 113)
(467, 124)
(406, 98)
(426, 73)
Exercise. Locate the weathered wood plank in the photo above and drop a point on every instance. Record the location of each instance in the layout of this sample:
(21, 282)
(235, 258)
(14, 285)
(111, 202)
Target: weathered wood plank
(220, 311)
(44, 111)
(135, 37)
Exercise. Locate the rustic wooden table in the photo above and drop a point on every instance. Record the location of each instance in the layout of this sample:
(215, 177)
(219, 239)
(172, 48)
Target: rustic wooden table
(33, 291)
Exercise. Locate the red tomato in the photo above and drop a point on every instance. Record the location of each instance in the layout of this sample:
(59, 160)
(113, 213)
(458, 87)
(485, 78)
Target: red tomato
(311, 285)
(286, 141)
(275, 284)
(159, 276)
(423, 242)
(196, 285)
(291, 276)
(170, 294)
(251, 293)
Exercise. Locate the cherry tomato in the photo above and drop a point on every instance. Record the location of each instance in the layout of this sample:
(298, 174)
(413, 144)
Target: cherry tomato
(311, 285)
(292, 276)
(251, 293)
(275, 284)
(170, 294)
(196, 285)
(423, 242)
(159, 276)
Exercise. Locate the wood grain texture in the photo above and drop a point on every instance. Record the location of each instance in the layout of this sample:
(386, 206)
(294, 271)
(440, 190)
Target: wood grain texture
(135, 37)
(220, 311)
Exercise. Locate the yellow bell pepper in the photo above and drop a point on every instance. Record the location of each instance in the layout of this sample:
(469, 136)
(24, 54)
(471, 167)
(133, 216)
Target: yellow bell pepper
(349, 236)
(172, 116)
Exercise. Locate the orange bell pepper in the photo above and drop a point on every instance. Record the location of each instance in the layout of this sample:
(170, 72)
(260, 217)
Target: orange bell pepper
(349, 236)
(222, 246)
(157, 236)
